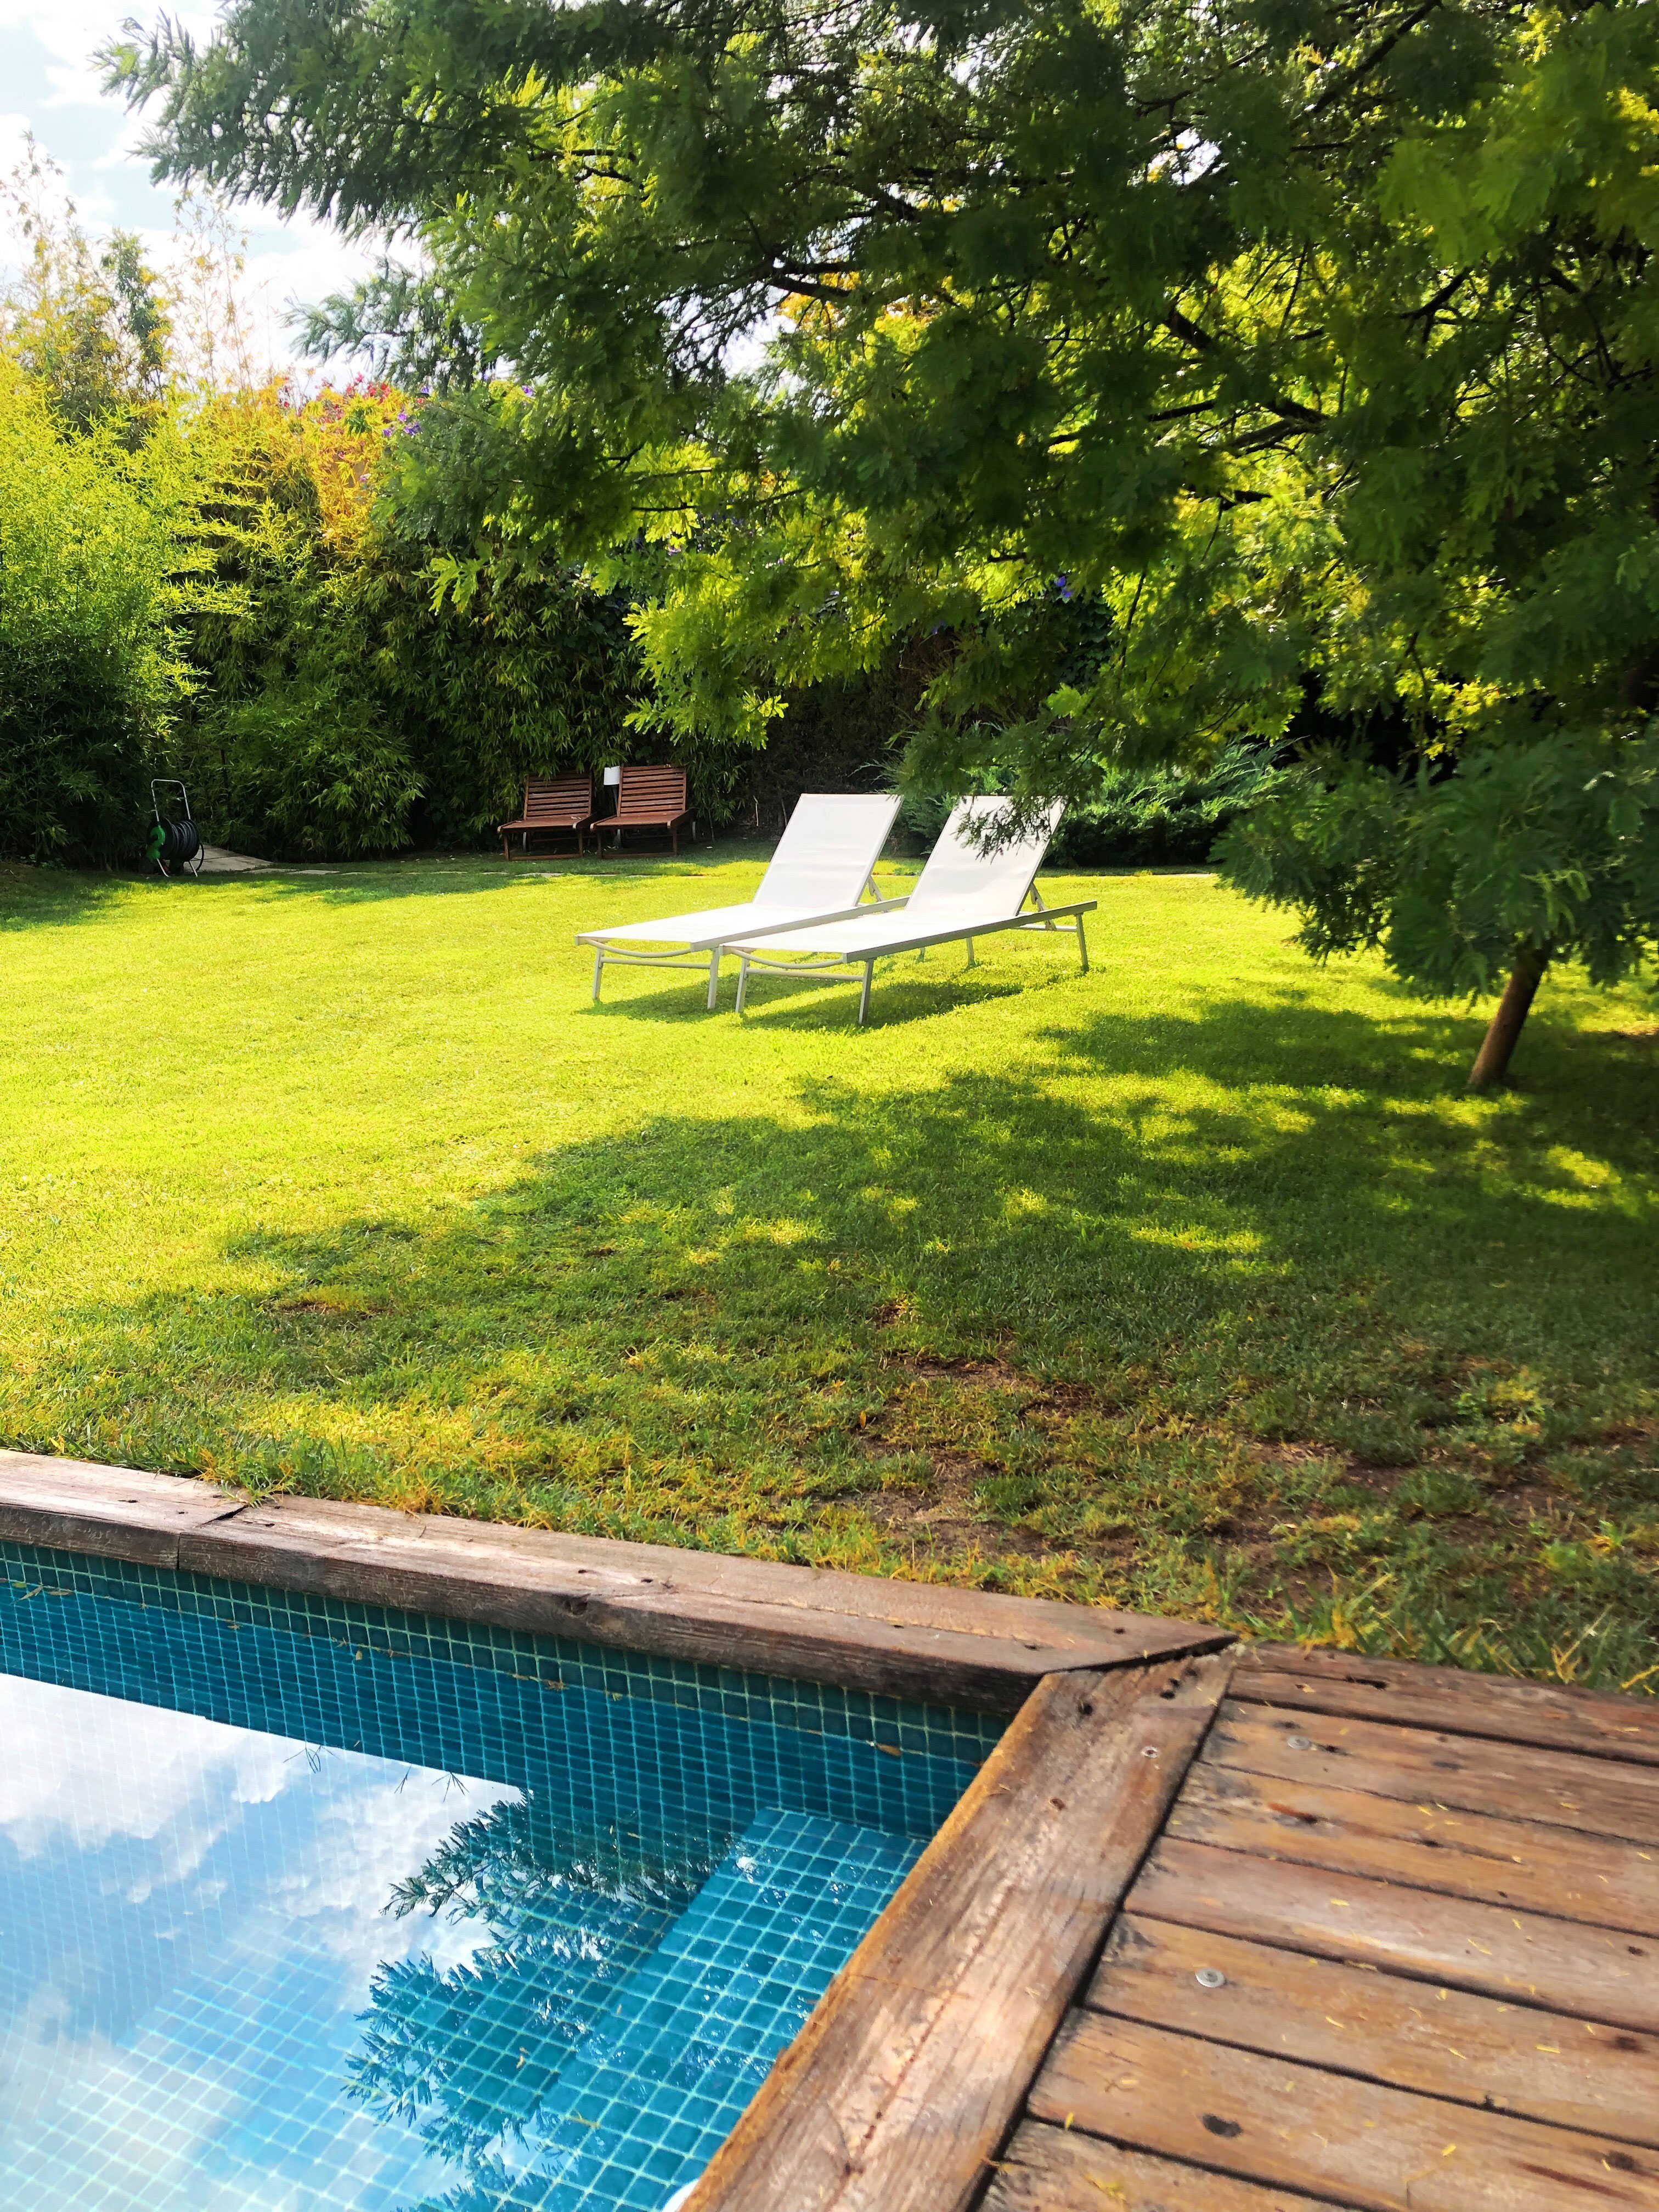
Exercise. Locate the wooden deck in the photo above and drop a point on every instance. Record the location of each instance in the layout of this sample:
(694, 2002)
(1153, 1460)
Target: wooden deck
(1215, 1929)
(1263, 1931)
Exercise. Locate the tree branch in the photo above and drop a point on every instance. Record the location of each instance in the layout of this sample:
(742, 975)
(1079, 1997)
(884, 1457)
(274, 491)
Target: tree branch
(1289, 411)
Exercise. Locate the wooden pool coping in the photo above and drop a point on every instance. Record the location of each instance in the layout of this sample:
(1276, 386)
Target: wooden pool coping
(920, 1640)
(1117, 1979)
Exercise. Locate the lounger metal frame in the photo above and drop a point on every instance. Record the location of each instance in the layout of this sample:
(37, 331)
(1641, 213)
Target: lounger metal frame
(827, 834)
(714, 947)
(819, 967)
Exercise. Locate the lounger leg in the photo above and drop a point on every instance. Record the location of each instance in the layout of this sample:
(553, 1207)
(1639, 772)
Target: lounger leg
(713, 979)
(598, 969)
(972, 963)
(864, 995)
(742, 980)
(1082, 945)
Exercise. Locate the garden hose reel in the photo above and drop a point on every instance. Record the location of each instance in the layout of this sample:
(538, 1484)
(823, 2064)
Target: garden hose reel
(173, 843)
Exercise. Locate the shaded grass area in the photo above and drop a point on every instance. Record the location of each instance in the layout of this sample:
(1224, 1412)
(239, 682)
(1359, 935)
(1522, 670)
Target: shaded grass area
(1196, 1285)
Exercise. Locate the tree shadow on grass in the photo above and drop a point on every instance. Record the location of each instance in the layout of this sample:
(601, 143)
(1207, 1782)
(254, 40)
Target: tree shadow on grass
(701, 1309)
(1586, 1090)
(55, 898)
(63, 897)
(367, 883)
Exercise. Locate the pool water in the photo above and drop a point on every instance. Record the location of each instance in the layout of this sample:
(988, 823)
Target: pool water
(312, 1907)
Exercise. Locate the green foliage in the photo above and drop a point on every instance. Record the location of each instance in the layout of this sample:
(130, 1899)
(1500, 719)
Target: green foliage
(329, 706)
(1168, 814)
(1149, 814)
(288, 749)
(537, 672)
(1552, 843)
(89, 666)
(90, 325)
(344, 708)
(1317, 343)
(305, 766)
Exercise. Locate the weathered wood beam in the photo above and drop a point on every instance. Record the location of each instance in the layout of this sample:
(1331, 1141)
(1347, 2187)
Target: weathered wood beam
(1598, 1974)
(1597, 1796)
(1477, 2051)
(918, 1640)
(898, 2093)
(1288, 2126)
(1058, 2170)
(116, 1512)
(1596, 1723)
(1414, 1841)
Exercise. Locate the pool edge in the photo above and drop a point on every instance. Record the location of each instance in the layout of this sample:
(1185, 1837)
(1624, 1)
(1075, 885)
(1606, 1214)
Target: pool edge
(917, 1640)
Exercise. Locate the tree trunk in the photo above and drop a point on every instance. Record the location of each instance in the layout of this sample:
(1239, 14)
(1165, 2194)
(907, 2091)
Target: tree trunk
(1491, 1062)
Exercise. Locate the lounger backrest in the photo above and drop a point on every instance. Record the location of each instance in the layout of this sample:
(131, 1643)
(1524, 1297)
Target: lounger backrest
(958, 874)
(658, 792)
(826, 852)
(556, 797)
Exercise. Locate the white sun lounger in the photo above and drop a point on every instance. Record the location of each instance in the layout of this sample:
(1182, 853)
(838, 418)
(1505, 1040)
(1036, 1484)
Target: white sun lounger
(819, 873)
(961, 893)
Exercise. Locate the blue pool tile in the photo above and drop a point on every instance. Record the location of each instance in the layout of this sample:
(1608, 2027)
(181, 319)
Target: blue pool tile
(314, 1907)
(695, 2030)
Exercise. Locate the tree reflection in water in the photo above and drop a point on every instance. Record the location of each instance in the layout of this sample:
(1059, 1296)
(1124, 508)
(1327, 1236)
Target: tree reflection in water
(467, 2054)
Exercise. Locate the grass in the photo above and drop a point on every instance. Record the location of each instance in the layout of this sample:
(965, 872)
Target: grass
(1197, 1285)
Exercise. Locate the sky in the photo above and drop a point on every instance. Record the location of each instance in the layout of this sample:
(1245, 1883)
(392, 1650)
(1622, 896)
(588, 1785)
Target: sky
(195, 1914)
(49, 85)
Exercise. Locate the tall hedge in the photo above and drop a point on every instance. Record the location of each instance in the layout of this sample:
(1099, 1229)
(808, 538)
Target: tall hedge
(90, 670)
(343, 708)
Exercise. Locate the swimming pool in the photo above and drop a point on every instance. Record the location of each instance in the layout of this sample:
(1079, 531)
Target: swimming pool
(310, 1906)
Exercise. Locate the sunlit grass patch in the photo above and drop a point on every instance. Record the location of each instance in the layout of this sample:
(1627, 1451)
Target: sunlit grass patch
(1196, 1284)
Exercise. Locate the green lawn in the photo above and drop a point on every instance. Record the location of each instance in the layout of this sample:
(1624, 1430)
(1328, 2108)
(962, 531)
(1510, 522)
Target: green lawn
(1196, 1285)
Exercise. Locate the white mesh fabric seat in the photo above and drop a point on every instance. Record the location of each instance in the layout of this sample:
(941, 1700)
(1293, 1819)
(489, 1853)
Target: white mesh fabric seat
(819, 872)
(961, 893)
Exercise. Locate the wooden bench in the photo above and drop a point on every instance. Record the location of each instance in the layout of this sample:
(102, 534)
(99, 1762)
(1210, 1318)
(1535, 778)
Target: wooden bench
(647, 798)
(552, 805)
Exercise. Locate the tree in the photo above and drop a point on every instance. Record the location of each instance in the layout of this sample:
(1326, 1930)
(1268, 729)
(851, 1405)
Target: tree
(91, 591)
(568, 1917)
(340, 711)
(1315, 338)
(92, 326)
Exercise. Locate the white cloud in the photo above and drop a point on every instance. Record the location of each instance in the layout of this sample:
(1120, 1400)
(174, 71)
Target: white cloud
(87, 1768)
(72, 32)
(51, 87)
(370, 1835)
(122, 2068)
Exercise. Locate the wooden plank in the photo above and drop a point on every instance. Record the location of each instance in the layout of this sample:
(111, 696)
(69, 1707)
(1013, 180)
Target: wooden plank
(1520, 1862)
(911, 2070)
(904, 1639)
(1057, 2170)
(1352, 2019)
(1598, 1796)
(1297, 2127)
(1525, 1958)
(1596, 1723)
(114, 1512)
(910, 1639)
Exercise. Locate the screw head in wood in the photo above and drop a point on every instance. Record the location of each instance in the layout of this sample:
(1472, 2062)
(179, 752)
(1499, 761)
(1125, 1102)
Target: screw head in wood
(1298, 1743)
(1210, 1977)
